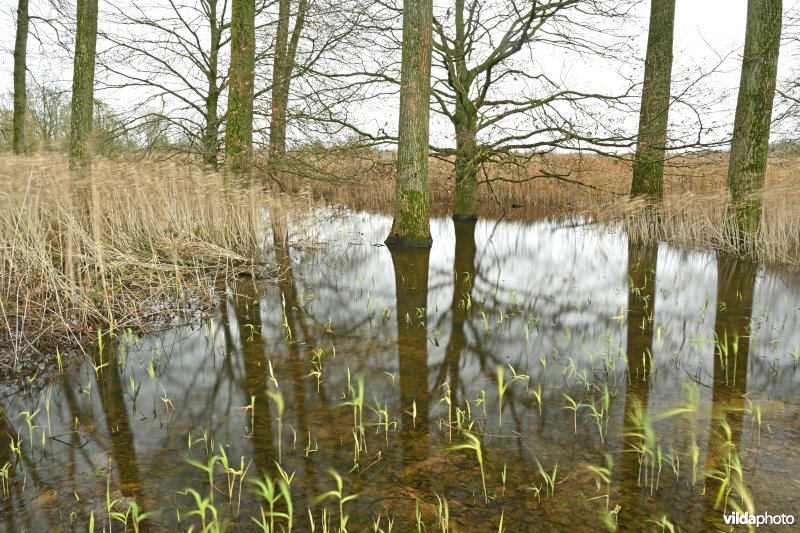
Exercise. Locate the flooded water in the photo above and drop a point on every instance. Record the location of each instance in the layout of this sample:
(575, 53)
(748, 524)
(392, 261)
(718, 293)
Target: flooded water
(530, 376)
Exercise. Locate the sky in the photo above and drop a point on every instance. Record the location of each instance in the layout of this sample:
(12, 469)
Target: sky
(709, 35)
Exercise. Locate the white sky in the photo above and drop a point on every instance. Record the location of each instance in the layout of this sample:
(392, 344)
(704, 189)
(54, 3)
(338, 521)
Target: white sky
(706, 30)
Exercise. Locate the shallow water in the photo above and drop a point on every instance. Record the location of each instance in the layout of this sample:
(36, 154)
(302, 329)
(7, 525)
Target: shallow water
(564, 313)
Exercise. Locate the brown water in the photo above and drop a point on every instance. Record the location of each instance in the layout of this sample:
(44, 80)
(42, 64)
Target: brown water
(569, 311)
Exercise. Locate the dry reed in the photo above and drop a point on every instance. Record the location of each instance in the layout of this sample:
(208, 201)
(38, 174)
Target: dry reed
(158, 240)
(694, 211)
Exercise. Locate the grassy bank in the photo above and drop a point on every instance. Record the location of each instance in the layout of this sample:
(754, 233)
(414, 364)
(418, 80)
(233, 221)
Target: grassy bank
(159, 239)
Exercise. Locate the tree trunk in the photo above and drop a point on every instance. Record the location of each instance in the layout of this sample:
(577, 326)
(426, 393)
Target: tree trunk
(239, 131)
(748, 158)
(283, 65)
(211, 133)
(648, 164)
(465, 121)
(465, 201)
(83, 87)
(411, 226)
(20, 71)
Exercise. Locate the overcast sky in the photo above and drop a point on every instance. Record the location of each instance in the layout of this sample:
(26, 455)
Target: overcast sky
(706, 31)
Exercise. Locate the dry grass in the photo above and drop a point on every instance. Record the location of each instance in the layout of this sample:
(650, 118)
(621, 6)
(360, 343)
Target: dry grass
(161, 236)
(694, 212)
(159, 239)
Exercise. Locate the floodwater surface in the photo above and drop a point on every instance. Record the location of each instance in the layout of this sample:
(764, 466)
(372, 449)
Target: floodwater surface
(527, 376)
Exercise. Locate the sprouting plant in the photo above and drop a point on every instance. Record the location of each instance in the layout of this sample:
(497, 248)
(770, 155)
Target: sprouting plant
(602, 477)
(600, 415)
(134, 389)
(232, 474)
(448, 400)
(4, 479)
(287, 328)
(501, 390)
(383, 419)
(642, 435)
(208, 468)
(266, 488)
(549, 479)
(573, 406)
(485, 322)
(475, 445)
(250, 409)
(356, 401)
(168, 405)
(503, 477)
(308, 448)
(339, 495)
(538, 395)
(443, 514)
(665, 524)
(418, 516)
(29, 422)
(202, 507)
(277, 398)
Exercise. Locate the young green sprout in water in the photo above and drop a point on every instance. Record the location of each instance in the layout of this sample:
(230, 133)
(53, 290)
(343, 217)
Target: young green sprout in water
(475, 445)
(266, 488)
(277, 398)
(538, 395)
(573, 406)
(339, 495)
(29, 422)
(501, 391)
(4, 479)
(549, 480)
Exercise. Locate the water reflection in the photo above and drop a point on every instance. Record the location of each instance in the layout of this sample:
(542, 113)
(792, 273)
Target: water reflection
(563, 313)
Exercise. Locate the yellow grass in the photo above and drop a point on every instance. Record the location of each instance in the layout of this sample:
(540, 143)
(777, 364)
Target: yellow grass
(159, 238)
(161, 235)
(693, 213)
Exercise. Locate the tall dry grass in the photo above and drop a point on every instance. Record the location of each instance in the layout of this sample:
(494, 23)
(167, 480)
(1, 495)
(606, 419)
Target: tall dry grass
(694, 212)
(159, 238)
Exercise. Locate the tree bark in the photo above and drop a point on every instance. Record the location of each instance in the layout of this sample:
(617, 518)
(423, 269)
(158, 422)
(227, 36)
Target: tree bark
(83, 87)
(283, 65)
(239, 131)
(20, 72)
(465, 121)
(465, 201)
(211, 133)
(748, 158)
(411, 226)
(651, 146)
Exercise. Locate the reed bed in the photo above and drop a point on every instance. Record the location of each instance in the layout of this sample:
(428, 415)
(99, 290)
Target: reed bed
(694, 212)
(158, 240)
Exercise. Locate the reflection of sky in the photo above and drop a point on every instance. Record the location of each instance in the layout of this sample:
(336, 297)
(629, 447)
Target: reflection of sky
(546, 291)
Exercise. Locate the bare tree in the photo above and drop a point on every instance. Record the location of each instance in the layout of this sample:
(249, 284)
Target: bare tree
(20, 72)
(175, 56)
(239, 128)
(286, 43)
(651, 143)
(411, 226)
(501, 102)
(748, 159)
(83, 86)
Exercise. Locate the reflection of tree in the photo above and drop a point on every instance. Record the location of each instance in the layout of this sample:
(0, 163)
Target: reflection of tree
(464, 276)
(735, 288)
(642, 261)
(123, 451)
(411, 282)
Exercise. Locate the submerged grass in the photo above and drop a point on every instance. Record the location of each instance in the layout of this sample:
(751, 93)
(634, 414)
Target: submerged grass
(156, 241)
